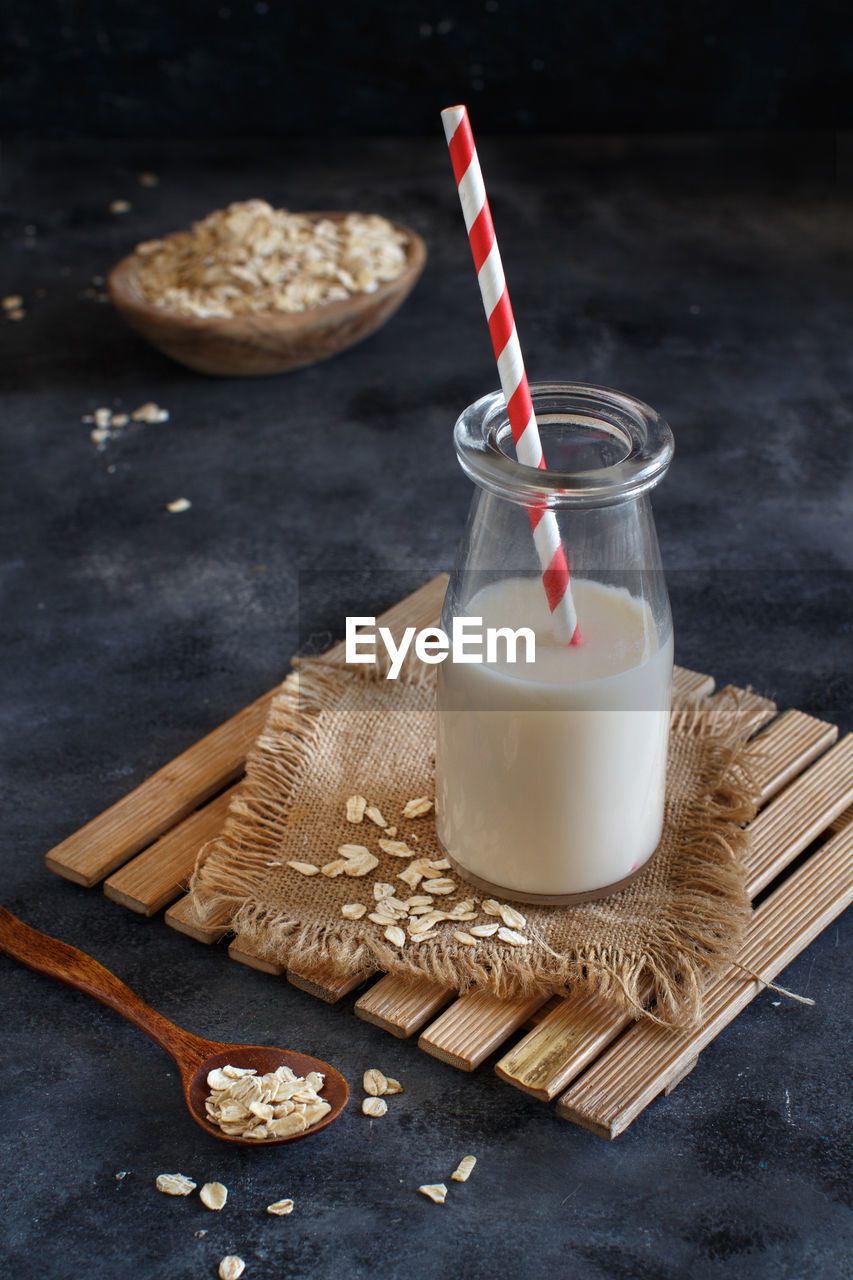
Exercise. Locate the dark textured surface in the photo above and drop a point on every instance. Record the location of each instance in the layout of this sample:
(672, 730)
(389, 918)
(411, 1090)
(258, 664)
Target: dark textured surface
(712, 280)
(203, 68)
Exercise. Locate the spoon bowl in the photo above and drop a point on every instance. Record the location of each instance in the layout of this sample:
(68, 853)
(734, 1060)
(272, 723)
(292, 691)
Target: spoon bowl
(194, 1056)
(263, 1058)
(263, 342)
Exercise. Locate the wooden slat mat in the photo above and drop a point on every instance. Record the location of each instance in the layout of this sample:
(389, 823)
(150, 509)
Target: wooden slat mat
(601, 1066)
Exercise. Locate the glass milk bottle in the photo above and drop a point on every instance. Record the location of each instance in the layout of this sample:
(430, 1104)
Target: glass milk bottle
(550, 773)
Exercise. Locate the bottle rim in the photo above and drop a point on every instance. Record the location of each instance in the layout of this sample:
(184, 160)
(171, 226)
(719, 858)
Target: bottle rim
(482, 435)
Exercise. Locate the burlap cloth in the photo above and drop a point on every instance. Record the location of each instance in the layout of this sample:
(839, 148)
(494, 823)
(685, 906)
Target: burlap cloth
(333, 732)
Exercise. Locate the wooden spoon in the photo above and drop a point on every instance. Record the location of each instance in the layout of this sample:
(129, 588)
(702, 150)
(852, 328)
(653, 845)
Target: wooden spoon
(194, 1056)
(263, 342)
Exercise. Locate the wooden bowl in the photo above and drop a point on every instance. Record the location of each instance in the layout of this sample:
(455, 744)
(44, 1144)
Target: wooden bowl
(263, 342)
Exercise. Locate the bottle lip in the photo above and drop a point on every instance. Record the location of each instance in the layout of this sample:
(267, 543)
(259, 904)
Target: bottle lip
(481, 429)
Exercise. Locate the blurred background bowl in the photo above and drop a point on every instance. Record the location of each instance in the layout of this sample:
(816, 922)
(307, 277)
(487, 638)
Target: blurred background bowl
(263, 342)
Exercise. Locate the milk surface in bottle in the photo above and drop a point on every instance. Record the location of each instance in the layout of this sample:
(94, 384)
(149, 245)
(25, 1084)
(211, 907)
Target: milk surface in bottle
(550, 774)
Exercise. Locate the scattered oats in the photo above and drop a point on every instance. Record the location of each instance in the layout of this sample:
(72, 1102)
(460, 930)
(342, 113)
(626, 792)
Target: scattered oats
(425, 937)
(381, 889)
(423, 924)
(304, 868)
(396, 848)
(360, 865)
(435, 1191)
(231, 1267)
(251, 257)
(375, 816)
(99, 435)
(374, 1107)
(461, 936)
(119, 420)
(352, 850)
(199, 1234)
(463, 1170)
(512, 919)
(150, 412)
(412, 876)
(432, 869)
(393, 904)
(213, 1195)
(374, 1082)
(353, 910)
(174, 1184)
(420, 909)
(356, 806)
(378, 918)
(485, 930)
(395, 935)
(120, 206)
(417, 808)
(12, 302)
(491, 908)
(121, 1176)
(463, 910)
(442, 886)
(280, 1208)
(392, 1086)
(147, 179)
(101, 417)
(178, 505)
(514, 939)
(419, 900)
(390, 832)
(335, 868)
(237, 1073)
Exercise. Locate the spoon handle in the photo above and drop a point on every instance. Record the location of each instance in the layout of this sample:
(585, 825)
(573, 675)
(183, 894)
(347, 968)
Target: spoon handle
(59, 960)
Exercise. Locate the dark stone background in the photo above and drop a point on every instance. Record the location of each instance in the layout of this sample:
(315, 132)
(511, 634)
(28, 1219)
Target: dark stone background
(710, 277)
(230, 68)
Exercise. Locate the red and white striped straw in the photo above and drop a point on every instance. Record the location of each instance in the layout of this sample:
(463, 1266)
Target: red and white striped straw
(522, 420)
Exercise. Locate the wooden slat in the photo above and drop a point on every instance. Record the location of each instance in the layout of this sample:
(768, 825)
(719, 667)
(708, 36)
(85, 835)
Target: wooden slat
(245, 952)
(161, 801)
(799, 814)
(843, 820)
(180, 917)
(155, 877)
(755, 710)
(474, 1026)
(786, 747)
(563, 1043)
(691, 684)
(185, 783)
(549, 1058)
(613, 1092)
(324, 983)
(682, 1074)
(401, 1004)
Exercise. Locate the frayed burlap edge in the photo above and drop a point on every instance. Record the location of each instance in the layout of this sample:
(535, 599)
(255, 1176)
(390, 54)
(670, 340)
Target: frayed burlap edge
(707, 915)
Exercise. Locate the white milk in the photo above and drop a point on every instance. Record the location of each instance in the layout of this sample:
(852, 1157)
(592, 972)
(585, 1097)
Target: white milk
(550, 775)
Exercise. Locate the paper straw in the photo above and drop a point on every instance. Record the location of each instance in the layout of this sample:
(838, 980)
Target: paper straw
(522, 419)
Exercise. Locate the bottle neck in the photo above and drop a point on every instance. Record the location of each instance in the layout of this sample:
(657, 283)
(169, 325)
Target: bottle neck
(601, 447)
